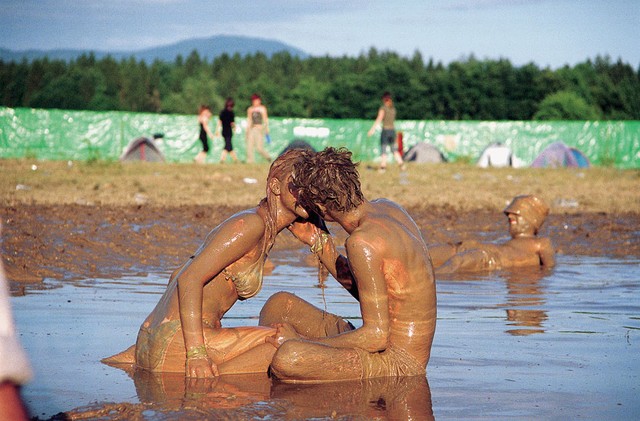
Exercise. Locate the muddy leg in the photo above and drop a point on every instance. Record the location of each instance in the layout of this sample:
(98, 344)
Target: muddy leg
(308, 320)
(304, 362)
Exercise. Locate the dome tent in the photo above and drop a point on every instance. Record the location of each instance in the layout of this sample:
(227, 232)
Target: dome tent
(497, 155)
(558, 155)
(143, 149)
(424, 153)
(298, 144)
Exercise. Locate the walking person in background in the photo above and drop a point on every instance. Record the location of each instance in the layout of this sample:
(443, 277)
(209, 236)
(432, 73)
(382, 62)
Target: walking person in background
(226, 122)
(386, 117)
(204, 114)
(257, 128)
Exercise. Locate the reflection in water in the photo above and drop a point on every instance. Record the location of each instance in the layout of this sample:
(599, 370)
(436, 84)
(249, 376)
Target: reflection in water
(257, 396)
(524, 290)
(394, 398)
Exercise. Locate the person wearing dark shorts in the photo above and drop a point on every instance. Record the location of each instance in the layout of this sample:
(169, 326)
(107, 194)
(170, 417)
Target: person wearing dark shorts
(226, 121)
(204, 114)
(386, 117)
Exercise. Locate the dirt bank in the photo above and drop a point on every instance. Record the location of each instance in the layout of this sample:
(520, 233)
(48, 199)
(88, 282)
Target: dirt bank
(79, 241)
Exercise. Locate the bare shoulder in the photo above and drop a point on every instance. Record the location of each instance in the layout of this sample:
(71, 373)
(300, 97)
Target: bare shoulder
(389, 208)
(364, 239)
(247, 223)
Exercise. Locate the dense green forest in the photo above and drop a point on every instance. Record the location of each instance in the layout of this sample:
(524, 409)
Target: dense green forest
(331, 87)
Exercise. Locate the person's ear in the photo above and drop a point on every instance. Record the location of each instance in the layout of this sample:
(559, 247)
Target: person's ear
(274, 186)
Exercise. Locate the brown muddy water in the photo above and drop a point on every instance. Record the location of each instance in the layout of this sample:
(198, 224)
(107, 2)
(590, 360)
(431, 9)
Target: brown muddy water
(561, 344)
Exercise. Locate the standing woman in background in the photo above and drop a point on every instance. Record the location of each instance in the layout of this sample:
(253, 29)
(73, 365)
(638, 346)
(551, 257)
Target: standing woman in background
(387, 117)
(204, 114)
(257, 128)
(226, 121)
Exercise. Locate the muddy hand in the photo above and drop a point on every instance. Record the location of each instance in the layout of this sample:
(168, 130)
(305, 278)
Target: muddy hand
(284, 332)
(201, 367)
(308, 230)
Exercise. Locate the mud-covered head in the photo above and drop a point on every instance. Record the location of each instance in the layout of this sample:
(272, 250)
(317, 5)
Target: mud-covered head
(329, 179)
(280, 191)
(283, 166)
(280, 178)
(531, 208)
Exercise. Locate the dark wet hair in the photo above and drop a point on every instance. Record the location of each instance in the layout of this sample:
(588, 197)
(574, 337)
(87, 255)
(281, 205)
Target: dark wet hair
(386, 95)
(229, 103)
(328, 178)
(282, 166)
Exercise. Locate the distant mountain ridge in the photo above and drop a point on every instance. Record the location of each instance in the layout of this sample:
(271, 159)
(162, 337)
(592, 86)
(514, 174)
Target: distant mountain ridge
(207, 48)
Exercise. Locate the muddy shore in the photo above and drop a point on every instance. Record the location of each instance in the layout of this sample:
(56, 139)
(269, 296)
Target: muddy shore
(69, 220)
(78, 241)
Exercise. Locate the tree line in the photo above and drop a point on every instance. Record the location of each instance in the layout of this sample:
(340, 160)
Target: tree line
(330, 87)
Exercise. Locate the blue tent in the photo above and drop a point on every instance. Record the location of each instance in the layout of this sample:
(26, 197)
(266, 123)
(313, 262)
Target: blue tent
(558, 155)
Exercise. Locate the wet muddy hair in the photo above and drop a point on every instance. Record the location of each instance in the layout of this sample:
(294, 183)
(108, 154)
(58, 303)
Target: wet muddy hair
(281, 167)
(328, 178)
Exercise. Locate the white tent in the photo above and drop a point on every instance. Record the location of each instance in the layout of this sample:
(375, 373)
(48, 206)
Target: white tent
(496, 155)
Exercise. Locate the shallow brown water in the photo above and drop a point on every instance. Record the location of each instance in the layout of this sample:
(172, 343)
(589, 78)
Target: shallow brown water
(559, 344)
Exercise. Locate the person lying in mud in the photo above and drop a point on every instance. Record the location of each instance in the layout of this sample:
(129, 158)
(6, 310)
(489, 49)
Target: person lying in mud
(526, 214)
(387, 267)
(184, 333)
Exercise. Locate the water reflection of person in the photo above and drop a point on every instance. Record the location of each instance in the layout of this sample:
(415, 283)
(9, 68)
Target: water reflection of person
(525, 292)
(526, 214)
(387, 268)
(393, 398)
(249, 396)
(184, 333)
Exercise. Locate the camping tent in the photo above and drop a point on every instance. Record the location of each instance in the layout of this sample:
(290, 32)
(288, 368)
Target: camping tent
(298, 144)
(424, 152)
(560, 155)
(142, 149)
(496, 155)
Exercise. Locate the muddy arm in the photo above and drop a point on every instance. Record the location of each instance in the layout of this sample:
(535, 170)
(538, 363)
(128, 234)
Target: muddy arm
(440, 253)
(315, 234)
(223, 246)
(366, 266)
(547, 253)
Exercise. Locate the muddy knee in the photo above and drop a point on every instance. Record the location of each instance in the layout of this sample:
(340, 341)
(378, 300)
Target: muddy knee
(288, 359)
(276, 308)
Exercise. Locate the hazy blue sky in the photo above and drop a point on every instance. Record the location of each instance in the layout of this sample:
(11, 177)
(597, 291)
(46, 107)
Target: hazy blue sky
(546, 32)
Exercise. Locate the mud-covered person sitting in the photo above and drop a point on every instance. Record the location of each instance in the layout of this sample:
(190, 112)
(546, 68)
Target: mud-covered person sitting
(526, 214)
(387, 267)
(184, 333)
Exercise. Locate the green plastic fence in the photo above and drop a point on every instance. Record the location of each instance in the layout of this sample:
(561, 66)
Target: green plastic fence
(85, 135)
